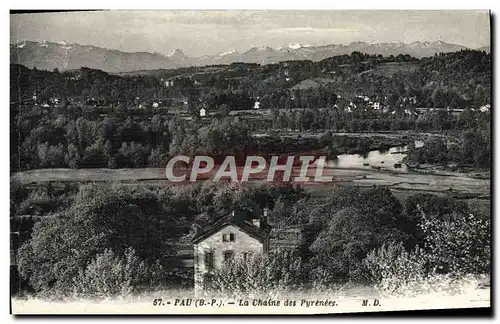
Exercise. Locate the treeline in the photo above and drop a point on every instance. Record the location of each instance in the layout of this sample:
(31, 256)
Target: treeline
(85, 139)
(313, 119)
(434, 82)
(82, 84)
(341, 242)
(40, 141)
(473, 148)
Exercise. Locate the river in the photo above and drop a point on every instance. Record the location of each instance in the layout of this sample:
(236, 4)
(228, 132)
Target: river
(377, 159)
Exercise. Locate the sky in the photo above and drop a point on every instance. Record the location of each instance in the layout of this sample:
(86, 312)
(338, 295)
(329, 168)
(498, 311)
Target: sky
(199, 33)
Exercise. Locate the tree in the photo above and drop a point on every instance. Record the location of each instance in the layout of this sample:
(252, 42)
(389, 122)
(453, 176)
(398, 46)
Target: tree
(224, 110)
(72, 157)
(460, 244)
(396, 271)
(431, 205)
(352, 232)
(155, 157)
(101, 218)
(109, 275)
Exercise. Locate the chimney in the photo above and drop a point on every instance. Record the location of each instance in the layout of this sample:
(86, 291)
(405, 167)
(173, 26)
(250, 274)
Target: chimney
(195, 228)
(265, 215)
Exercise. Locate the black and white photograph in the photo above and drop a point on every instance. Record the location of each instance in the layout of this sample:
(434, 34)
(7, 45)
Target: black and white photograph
(273, 162)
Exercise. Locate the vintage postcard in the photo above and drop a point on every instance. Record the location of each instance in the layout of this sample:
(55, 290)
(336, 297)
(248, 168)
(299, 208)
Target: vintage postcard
(250, 162)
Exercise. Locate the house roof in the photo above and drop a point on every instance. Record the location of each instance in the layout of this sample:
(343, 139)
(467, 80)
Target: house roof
(258, 233)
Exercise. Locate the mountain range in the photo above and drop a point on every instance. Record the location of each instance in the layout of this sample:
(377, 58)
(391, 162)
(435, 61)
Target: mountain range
(65, 56)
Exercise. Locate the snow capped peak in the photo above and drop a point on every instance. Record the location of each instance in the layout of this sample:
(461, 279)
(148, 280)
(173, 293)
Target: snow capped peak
(21, 44)
(260, 49)
(43, 44)
(294, 46)
(177, 53)
(228, 53)
(264, 48)
(64, 44)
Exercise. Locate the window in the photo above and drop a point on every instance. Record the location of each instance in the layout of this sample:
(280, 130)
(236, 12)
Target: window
(228, 255)
(228, 237)
(209, 260)
(207, 281)
(247, 256)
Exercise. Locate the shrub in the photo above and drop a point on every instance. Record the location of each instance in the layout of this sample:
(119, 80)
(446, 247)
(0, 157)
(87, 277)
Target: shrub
(394, 270)
(456, 249)
(460, 244)
(109, 274)
(278, 270)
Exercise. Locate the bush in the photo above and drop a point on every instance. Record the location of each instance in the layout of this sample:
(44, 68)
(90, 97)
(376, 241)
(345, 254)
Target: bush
(460, 244)
(394, 270)
(109, 275)
(278, 270)
(456, 250)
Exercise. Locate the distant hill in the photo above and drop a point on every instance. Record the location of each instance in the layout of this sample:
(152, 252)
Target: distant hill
(64, 56)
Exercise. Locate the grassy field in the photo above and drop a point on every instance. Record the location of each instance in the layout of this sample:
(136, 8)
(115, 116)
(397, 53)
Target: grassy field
(402, 185)
(388, 69)
(413, 181)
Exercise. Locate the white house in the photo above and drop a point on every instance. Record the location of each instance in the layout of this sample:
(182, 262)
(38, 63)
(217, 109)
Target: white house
(155, 105)
(363, 97)
(203, 112)
(234, 236)
(256, 105)
(485, 108)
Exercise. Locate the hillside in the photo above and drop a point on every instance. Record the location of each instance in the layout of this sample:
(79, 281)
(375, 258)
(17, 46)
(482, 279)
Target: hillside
(457, 79)
(64, 56)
